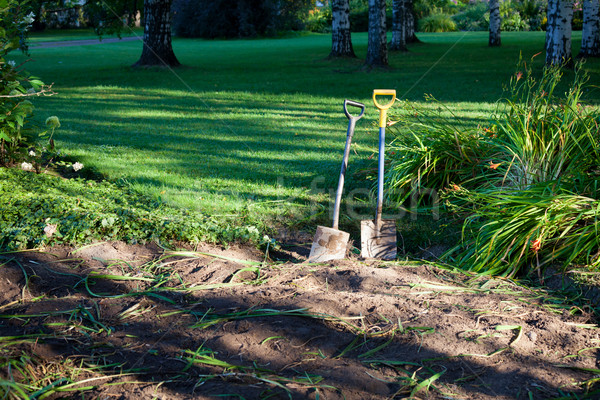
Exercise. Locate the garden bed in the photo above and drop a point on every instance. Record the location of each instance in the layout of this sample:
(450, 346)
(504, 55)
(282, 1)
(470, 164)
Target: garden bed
(121, 321)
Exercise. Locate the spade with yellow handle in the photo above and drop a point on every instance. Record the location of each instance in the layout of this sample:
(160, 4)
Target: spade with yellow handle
(378, 237)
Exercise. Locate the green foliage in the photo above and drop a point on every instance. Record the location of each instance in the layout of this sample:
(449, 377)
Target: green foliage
(425, 8)
(547, 149)
(508, 232)
(475, 17)
(545, 136)
(242, 18)
(437, 22)
(527, 187)
(359, 15)
(432, 150)
(16, 85)
(319, 20)
(40, 209)
(511, 17)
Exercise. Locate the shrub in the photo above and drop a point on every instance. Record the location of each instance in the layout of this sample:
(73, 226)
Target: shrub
(543, 206)
(527, 188)
(319, 20)
(508, 232)
(16, 85)
(437, 23)
(544, 136)
(433, 151)
(359, 15)
(475, 17)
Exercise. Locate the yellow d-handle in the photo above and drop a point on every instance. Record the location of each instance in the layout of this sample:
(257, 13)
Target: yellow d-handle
(383, 108)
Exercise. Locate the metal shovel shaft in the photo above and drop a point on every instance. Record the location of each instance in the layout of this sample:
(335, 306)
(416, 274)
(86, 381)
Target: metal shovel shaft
(380, 175)
(340, 188)
(351, 125)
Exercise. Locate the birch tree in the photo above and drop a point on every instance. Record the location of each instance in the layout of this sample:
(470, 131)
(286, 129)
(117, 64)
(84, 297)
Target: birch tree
(399, 21)
(157, 49)
(558, 32)
(590, 33)
(411, 22)
(495, 23)
(341, 41)
(377, 55)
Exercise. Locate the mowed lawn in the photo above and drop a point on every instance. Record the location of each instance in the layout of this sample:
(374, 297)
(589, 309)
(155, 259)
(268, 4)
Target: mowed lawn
(256, 126)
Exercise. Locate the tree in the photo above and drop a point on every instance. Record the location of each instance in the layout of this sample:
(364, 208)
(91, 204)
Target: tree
(157, 50)
(341, 41)
(590, 33)
(377, 44)
(411, 37)
(495, 23)
(399, 25)
(558, 32)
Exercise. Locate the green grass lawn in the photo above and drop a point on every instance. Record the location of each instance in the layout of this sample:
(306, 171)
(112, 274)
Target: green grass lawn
(255, 127)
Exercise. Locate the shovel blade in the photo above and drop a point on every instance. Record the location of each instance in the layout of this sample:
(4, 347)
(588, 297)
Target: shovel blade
(378, 244)
(328, 244)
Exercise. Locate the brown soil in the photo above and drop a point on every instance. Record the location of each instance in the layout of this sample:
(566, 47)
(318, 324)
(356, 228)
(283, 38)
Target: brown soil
(347, 329)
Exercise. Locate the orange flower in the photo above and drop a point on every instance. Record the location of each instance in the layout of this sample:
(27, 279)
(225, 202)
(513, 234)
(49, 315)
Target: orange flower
(494, 166)
(536, 245)
(454, 188)
(519, 75)
(390, 123)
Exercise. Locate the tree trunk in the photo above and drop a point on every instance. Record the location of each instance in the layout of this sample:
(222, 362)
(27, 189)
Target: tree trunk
(590, 33)
(341, 41)
(495, 23)
(377, 44)
(558, 32)
(411, 22)
(399, 16)
(157, 50)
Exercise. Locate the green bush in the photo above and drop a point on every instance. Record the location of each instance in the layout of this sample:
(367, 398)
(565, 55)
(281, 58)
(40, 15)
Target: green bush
(475, 17)
(359, 15)
(319, 20)
(16, 85)
(437, 23)
(527, 188)
(432, 150)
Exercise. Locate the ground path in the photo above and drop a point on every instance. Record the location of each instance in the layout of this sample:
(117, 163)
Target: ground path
(84, 42)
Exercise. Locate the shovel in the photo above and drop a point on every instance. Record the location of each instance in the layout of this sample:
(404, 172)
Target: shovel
(378, 237)
(331, 243)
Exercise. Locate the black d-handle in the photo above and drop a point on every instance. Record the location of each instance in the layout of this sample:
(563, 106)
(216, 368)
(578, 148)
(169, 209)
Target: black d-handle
(354, 104)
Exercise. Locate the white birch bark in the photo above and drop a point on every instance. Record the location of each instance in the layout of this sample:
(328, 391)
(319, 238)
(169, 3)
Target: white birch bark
(341, 40)
(590, 33)
(558, 32)
(377, 43)
(495, 23)
(399, 16)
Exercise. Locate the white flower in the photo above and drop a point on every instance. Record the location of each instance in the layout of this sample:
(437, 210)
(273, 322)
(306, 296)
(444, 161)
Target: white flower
(50, 229)
(77, 166)
(12, 63)
(28, 19)
(25, 166)
(31, 153)
(31, 91)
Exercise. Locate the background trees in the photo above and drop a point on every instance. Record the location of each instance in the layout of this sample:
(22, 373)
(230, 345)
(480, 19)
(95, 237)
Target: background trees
(558, 32)
(377, 44)
(590, 35)
(341, 42)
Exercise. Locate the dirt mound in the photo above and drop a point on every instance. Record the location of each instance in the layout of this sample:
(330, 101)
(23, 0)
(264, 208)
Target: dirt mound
(133, 322)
